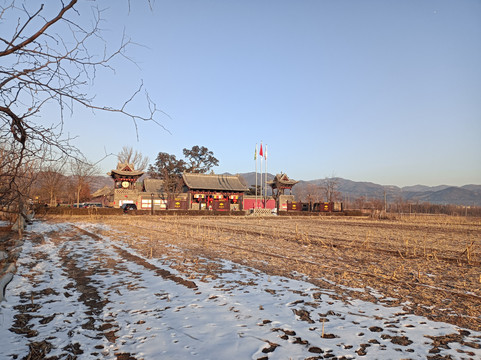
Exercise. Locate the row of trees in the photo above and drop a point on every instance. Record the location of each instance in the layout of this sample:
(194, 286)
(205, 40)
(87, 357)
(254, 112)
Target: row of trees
(400, 205)
(327, 191)
(53, 185)
(66, 180)
(71, 181)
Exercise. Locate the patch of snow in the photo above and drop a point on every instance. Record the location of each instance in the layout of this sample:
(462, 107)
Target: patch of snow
(243, 311)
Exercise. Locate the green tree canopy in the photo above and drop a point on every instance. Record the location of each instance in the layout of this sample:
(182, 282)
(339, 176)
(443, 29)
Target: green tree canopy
(166, 165)
(199, 159)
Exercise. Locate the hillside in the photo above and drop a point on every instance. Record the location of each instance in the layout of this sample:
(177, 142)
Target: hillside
(250, 177)
(98, 182)
(469, 195)
(450, 195)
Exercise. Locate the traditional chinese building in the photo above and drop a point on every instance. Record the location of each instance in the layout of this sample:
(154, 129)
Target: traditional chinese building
(154, 193)
(281, 182)
(197, 191)
(103, 196)
(125, 189)
(214, 192)
(279, 185)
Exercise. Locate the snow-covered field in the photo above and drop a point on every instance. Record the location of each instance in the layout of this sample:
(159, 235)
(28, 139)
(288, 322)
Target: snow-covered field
(78, 295)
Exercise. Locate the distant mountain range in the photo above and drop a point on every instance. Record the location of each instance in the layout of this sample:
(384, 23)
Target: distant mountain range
(98, 182)
(468, 195)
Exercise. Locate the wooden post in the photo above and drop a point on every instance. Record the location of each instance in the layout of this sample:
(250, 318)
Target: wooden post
(152, 204)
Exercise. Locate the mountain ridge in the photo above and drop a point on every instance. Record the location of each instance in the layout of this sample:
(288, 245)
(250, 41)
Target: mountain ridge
(466, 195)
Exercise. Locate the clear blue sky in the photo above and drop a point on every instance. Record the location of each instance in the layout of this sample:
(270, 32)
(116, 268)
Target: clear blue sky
(382, 91)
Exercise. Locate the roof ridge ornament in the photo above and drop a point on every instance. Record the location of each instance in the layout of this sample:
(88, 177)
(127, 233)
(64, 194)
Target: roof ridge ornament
(125, 166)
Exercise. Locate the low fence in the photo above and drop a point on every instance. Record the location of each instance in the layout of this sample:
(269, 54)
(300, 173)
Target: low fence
(315, 206)
(118, 211)
(321, 213)
(99, 211)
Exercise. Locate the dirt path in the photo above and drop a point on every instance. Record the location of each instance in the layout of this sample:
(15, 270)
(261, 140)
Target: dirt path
(77, 280)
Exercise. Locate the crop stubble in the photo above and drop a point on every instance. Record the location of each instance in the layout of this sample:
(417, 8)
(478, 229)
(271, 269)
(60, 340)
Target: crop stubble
(429, 265)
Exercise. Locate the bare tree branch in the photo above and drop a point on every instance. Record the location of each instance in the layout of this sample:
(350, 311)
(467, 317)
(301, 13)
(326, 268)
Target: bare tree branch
(11, 48)
(128, 156)
(49, 58)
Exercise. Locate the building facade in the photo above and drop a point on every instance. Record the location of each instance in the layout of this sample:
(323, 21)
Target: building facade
(198, 192)
(126, 189)
(215, 192)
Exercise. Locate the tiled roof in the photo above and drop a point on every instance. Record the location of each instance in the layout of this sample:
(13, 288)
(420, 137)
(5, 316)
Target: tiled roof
(105, 191)
(124, 169)
(214, 182)
(126, 173)
(153, 185)
(283, 180)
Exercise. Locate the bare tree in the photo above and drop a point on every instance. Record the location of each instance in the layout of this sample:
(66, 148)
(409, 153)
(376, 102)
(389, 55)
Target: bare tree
(329, 188)
(359, 202)
(50, 183)
(15, 182)
(8, 170)
(128, 156)
(49, 59)
(314, 193)
(81, 176)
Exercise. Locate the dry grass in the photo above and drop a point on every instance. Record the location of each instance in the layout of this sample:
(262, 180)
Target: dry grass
(428, 265)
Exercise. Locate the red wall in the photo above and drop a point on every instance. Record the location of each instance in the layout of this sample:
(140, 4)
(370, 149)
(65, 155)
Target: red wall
(250, 204)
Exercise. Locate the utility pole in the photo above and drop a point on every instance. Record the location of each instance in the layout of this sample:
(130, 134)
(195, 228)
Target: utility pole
(385, 202)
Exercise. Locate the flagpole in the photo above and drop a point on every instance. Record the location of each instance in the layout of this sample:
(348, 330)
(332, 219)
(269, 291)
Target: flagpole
(261, 154)
(265, 188)
(255, 158)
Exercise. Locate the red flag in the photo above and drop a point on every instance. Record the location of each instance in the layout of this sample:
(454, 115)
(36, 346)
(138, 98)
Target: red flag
(260, 151)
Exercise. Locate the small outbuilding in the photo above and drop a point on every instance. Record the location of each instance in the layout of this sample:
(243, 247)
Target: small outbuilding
(103, 196)
(279, 185)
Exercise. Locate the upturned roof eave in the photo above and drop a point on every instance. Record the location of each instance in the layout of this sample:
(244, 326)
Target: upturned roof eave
(126, 173)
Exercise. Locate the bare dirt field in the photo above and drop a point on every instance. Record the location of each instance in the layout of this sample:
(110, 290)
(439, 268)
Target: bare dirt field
(431, 265)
